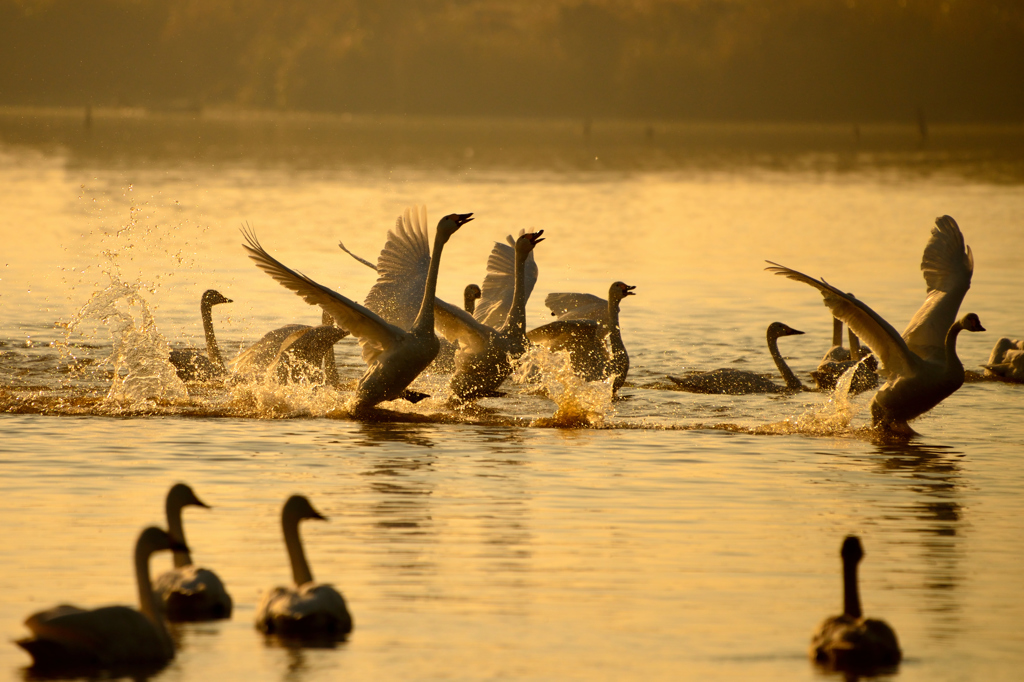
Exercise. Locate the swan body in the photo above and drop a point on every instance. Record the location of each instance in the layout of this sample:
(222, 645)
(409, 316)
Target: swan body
(394, 356)
(827, 375)
(190, 363)
(584, 337)
(850, 641)
(741, 382)
(109, 637)
(188, 592)
(1006, 360)
(921, 364)
(308, 609)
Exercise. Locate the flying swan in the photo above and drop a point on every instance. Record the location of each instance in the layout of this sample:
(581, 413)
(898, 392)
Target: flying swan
(921, 365)
(309, 609)
(188, 592)
(395, 357)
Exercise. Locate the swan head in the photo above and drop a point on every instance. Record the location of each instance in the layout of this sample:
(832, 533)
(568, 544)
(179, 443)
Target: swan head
(528, 240)
(472, 292)
(181, 495)
(298, 507)
(213, 297)
(971, 322)
(451, 223)
(620, 290)
(852, 552)
(155, 539)
(778, 329)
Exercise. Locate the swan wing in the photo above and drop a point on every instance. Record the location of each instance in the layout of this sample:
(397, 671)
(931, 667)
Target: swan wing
(341, 245)
(455, 324)
(947, 266)
(108, 635)
(500, 282)
(577, 307)
(374, 333)
(873, 330)
(257, 357)
(402, 270)
(574, 335)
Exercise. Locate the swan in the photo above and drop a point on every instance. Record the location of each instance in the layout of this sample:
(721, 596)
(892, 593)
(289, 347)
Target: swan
(188, 592)
(584, 337)
(69, 637)
(1006, 360)
(851, 641)
(309, 609)
(190, 363)
(922, 366)
(836, 353)
(827, 375)
(255, 363)
(307, 356)
(741, 382)
(395, 357)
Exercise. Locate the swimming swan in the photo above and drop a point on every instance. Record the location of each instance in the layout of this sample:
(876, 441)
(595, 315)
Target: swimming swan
(581, 330)
(69, 637)
(188, 592)
(922, 366)
(395, 357)
(741, 382)
(851, 641)
(308, 609)
(470, 296)
(190, 363)
(1006, 361)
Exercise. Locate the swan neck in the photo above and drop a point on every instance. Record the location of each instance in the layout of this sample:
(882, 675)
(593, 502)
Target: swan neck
(147, 603)
(176, 530)
(614, 331)
(792, 382)
(855, 354)
(469, 304)
(212, 349)
(300, 567)
(851, 595)
(516, 316)
(425, 317)
(837, 332)
(952, 360)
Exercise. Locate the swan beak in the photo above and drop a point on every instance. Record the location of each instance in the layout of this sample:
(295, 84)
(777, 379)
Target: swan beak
(178, 546)
(536, 238)
(628, 291)
(462, 218)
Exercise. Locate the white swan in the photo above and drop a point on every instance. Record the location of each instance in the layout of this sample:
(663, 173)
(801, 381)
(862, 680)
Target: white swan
(309, 609)
(188, 592)
(836, 353)
(851, 641)
(1006, 360)
(741, 382)
(922, 366)
(190, 363)
(395, 356)
(70, 637)
(582, 332)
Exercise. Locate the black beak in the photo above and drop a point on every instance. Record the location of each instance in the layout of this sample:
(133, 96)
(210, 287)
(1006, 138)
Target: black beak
(179, 546)
(629, 291)
(462, 218)
(537, 239)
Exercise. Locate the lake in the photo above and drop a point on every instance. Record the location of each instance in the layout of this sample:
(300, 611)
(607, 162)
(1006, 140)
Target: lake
(665, 535)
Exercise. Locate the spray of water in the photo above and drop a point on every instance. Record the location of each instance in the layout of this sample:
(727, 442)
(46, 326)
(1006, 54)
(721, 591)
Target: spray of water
(579, 403)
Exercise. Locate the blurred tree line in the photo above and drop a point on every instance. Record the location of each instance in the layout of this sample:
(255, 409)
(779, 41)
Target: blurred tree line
(845, 60)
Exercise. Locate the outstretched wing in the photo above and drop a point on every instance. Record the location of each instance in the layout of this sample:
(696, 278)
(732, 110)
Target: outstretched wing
(576, 336)
(500, 282)
(872, 329)
(947, 266)
(578, 307)
(374, 333)
(455, 324)
(402, 270)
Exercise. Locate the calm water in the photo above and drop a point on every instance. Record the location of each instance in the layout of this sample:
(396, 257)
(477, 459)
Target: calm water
(681, 536)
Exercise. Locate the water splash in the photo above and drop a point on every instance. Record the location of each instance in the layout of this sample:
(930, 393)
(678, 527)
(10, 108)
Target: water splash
(139, 359)
(831, 418)
(579, 402)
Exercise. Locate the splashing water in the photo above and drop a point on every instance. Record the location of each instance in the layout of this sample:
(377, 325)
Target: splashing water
(579, 402)
(139, 360)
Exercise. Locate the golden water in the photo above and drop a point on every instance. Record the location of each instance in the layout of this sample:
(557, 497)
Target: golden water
(663, 536)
